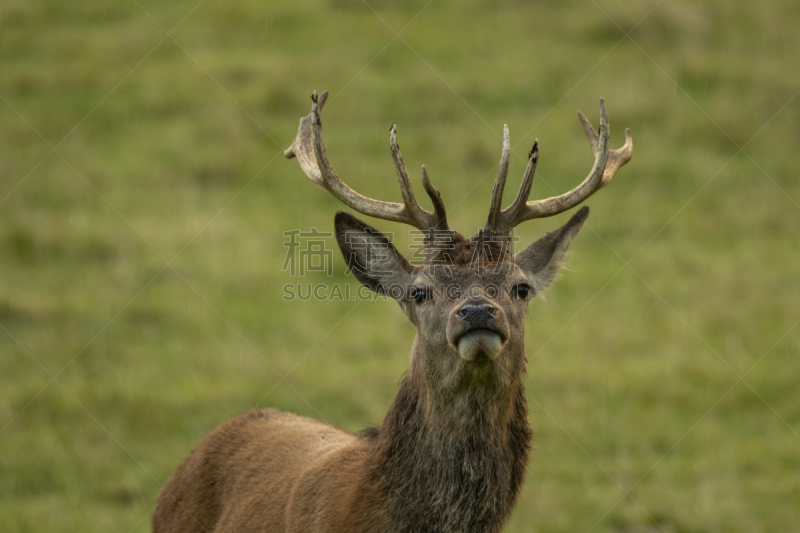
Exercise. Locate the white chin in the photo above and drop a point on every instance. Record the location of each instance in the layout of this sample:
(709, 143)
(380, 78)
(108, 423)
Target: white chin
(471, 345)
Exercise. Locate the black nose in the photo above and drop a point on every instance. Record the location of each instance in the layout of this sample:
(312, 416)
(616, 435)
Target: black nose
(477, 315)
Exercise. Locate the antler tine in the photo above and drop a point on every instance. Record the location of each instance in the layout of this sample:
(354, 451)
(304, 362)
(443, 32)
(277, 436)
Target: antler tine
(606, 165)
(520, 202)
(309, 149)
(423, 219)
(439, 213)
(496, 206)
(617, 158)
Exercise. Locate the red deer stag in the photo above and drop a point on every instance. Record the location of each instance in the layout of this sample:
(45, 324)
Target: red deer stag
(451, 454)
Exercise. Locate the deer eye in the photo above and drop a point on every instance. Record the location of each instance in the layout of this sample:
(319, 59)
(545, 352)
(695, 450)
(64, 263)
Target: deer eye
(422, 295)
(520, 292)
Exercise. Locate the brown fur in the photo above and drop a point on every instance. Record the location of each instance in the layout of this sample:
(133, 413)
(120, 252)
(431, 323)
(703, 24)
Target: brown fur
(450, 455)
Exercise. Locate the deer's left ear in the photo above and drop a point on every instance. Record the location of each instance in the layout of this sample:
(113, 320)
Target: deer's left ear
(541, 260)
(372, 258)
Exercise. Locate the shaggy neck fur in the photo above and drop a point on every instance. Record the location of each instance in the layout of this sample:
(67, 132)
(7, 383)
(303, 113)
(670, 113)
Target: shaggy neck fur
(448, 476)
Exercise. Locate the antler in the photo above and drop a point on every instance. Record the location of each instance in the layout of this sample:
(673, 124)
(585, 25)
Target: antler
(606, 164)
(309, 149)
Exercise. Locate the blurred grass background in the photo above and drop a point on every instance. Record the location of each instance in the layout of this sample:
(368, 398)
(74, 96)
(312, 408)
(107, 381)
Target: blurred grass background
(143, 200)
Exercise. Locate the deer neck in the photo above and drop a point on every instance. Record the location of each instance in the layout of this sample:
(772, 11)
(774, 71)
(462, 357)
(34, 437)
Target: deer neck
(442, 469)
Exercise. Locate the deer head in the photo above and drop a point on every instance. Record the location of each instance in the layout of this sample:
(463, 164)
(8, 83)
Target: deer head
(469, 298)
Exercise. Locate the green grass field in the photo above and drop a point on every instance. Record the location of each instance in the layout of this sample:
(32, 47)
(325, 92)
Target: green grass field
(144, 196)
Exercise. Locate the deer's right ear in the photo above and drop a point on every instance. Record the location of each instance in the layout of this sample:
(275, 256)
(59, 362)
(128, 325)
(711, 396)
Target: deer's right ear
(372, 258)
